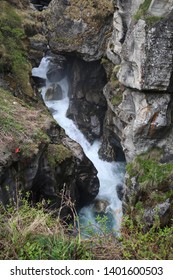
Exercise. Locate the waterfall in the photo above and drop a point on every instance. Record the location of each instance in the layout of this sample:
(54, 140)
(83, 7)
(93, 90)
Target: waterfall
(110, 174)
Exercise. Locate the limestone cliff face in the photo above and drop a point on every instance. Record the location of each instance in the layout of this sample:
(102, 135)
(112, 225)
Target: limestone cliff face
(140, 104)
(141, 44)
(138, 36)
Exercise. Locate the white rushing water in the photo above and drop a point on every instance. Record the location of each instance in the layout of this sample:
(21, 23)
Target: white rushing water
(109, 173)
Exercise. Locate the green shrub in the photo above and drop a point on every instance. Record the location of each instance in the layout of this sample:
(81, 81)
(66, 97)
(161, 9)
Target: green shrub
(31, 233)
(150, 172)
(155, 244)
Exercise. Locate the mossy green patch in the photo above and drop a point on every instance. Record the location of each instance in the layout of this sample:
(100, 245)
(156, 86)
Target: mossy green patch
(143, 8)
(57, 154)
(142, 13)
(13, 51)
(116, 89)
(149, 170)
(92, 11)
(153, 177)
(156, 243)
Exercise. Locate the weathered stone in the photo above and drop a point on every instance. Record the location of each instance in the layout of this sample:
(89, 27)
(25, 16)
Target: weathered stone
(100, 206)
(55, 74)
(147, 56)
(122, 17)
(120, 191)
(160, 7)
(38, 43)
(140, 121)
(79, 27)
(161, 210)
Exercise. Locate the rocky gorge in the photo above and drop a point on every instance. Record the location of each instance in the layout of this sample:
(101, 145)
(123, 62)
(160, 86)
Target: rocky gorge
(117, 55)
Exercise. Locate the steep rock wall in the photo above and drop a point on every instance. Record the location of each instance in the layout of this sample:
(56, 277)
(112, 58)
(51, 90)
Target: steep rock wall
(87, 102)
(139, 97)
(141, 48)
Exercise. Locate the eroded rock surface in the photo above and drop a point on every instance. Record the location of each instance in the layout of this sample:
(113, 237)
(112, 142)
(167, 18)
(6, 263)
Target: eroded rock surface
(87, 102)
(80, 26)
(141, 121)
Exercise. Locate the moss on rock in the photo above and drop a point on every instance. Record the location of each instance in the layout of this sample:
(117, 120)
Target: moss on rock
(92, 11)
(142, 13)
(14, 64)
(57, 153)
(149, 187)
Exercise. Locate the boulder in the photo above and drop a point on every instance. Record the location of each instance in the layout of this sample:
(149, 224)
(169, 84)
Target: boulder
(55, 73)
(54, 93)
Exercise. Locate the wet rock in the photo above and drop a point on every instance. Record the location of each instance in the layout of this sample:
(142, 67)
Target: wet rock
(54, 93)
(120, 191)
(55, 73)
(100, 205)
(87, 103)
(64, 177)
(40, 82)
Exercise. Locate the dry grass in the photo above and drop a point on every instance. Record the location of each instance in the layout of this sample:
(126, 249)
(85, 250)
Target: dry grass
(21, 126)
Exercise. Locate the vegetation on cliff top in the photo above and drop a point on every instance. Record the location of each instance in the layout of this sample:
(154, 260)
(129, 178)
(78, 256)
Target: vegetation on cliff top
(21, 126)
(56, 153)
(28, 233)
(91, 11)
(154, 178)
(142, 13)
(14, 65)
(149, 194)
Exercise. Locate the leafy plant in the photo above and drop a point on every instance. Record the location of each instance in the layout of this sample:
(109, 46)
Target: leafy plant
(155, 244)
(31, 233)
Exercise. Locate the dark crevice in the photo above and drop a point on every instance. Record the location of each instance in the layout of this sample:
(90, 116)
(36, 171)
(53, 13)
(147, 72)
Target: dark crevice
(40, 4)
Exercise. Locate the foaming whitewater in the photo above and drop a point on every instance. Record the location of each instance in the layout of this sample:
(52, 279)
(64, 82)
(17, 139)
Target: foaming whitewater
(110, 174)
